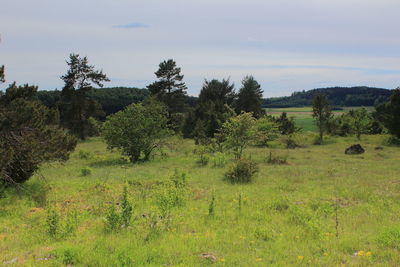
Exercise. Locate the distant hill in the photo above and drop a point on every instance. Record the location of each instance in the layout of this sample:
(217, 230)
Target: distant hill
(338, 96)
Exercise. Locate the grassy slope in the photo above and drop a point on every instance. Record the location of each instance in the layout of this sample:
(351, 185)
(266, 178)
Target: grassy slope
(287, 218)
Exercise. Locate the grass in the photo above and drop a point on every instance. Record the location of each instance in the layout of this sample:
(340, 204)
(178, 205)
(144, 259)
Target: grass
(286, 217)
(303, 115)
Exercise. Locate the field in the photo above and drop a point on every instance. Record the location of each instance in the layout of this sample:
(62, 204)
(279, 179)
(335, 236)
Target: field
(303, 116)
(322, 208)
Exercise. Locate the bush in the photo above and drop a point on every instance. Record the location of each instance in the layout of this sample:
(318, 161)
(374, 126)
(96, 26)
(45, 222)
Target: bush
(137, 130)
(242, 171)
(85, 171)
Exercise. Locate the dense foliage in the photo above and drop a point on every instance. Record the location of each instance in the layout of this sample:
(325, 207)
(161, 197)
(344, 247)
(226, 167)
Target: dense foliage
(337, 96)
(250, 97)
(137, 130)
(389, 114)
(76, 106)
(29, 135)
(212, 110)
(169, 89)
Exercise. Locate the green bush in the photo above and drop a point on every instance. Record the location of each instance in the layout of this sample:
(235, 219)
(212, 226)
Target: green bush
(242, 171)
(85, 171)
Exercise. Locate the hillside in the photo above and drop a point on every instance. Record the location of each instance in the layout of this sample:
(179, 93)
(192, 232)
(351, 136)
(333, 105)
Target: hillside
(338, 96)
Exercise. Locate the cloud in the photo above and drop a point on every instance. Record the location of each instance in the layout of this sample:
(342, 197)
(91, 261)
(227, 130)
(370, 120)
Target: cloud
(131, 25)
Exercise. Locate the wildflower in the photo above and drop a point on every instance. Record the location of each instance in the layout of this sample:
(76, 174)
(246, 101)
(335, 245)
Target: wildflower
(361, 253)
(259, 259)
(222, 260)
(368, 254)
(325, 254)
(300, 257)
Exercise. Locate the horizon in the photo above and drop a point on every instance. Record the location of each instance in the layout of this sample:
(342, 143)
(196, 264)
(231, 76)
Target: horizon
(287, 46)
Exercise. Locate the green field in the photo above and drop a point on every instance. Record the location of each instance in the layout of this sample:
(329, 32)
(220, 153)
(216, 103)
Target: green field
(323, 208)
(303, 115)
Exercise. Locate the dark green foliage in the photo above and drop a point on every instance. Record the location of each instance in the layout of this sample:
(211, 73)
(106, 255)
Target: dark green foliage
(213, 108)
(242, 171)
(169, 89)
(250, 97)
(389, 114)
(111, 99)
(322, 114)
(29, 135)
(286, 125)
(137, 130)
(337, 96)
(2, 79)
(76, 106)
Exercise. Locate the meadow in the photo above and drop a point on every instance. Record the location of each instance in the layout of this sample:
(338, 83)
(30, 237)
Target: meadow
(303, 115)
(320, 208)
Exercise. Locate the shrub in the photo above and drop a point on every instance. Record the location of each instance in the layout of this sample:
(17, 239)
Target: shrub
(242, 171)
(202, 155)
(85, 171)
(137, 130)
(83, 154)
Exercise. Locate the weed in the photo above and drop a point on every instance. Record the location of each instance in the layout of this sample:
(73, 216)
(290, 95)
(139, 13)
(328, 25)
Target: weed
(83, 154)
(53, 223)
(126, 206)
(112, 221)
(86, 171)
(211, 206)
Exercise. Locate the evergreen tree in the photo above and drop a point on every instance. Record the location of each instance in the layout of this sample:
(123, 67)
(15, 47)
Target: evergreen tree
(322, 114)
(169, 89)
(2, 79)
(76, 106)
(389, 114)
(29, 135)
(214, 105)
(250, 97)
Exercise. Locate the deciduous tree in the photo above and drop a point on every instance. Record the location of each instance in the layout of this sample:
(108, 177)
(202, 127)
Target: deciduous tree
(322, 114)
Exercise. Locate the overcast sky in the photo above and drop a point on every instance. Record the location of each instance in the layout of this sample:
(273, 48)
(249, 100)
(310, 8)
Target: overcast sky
(287, 45)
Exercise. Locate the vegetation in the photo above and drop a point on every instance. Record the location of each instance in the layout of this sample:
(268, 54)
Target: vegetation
(337, 96)
(76, 107)
(322, 114)
(137, 130)
(249, 97)
(29, 135)
(389, 114)
(170, 89)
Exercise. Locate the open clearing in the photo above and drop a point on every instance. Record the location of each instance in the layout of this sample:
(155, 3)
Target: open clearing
(287, 216)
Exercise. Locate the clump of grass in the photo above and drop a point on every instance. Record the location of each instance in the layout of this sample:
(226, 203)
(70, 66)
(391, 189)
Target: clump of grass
(390, 237)
(86, 171)
(242, 171)
(277, 158)
(83, 154)
(219, 160)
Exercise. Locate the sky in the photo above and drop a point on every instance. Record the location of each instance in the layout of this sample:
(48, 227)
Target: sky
(287, 45)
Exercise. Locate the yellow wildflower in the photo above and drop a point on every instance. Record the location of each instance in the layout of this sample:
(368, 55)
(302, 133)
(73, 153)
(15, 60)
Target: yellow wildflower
(259, 259)
(325, 254)
(222, 260)
(361, 253)
(300, 257)
(368, 254)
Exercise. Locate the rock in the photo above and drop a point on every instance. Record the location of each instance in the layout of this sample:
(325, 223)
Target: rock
(208, 256)
(354, 149)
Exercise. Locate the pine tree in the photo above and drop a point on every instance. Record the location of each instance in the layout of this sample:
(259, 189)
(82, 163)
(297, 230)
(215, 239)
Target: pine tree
(2, 79)
(169, 89)
(389, 114)
(76, 107)
(250, 97)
